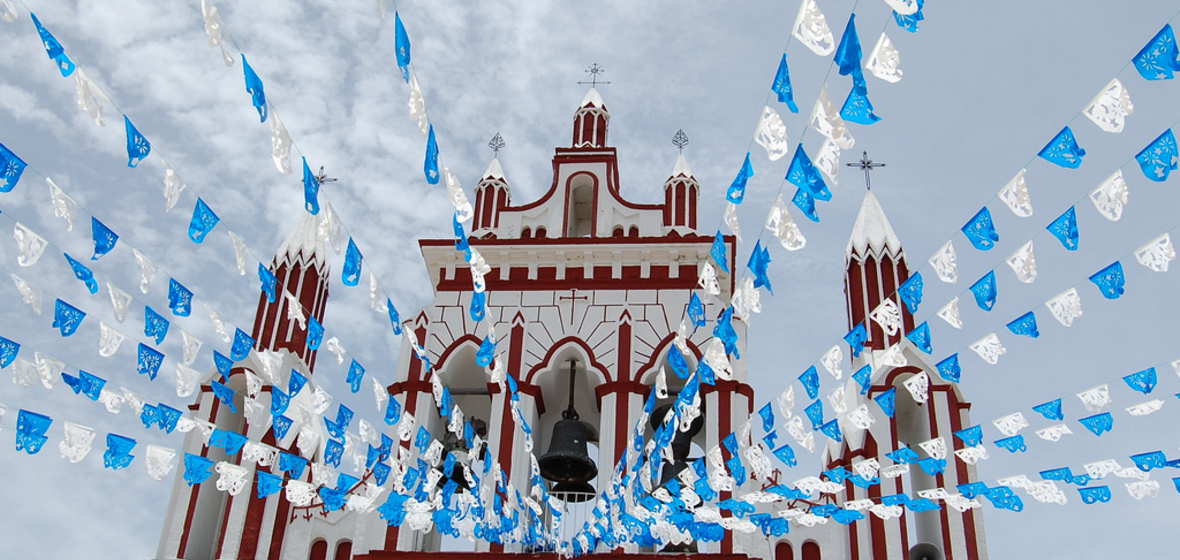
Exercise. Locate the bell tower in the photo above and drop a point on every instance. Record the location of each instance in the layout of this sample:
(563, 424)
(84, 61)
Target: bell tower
(928, 410)
(585, 293)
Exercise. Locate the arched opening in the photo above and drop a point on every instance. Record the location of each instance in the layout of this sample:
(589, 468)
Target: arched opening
(811, 551)
(912, 422)
(581, 207)
(343, 550)
(618, 232)
(783, 551)
(633, 232)
(696, 447)
(526, 233)
(541, 233)
(319, 550)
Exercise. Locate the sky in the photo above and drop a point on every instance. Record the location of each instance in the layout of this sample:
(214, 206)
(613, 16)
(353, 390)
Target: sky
(985, 86)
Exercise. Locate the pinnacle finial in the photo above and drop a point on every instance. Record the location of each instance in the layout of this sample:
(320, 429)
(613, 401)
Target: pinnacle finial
(497, 143)
(680, 140)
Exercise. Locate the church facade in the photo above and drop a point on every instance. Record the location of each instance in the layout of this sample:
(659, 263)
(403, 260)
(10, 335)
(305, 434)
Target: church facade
(585, 296)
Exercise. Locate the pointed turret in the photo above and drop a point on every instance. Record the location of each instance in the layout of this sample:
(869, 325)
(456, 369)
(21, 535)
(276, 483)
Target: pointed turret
(876, 266)
(301, 269)
(681, 192)
(492, 195)
(590, 122)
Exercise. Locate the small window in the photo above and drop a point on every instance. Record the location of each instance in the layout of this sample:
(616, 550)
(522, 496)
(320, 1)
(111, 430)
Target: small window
(526, 233)
(319, 550)
(811, 551)
(634, 232)
(541, 233)
(783, 551)
(344, 550)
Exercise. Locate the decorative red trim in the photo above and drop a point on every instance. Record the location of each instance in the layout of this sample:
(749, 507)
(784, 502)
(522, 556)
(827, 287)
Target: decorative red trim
(689, 239)
(546, 362)
(658, 351)
(455, 345)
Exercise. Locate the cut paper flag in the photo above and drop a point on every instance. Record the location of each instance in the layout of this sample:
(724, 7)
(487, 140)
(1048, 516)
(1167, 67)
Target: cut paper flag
(154, 325)
(203, 221)
(138, 147)
(718, 252)
(180, 298)
(737, 189)
(849, 54)
(811, 28)
(311, 190)
(66, 318)
(11, 169)
(64, 207)
(980, 230)
(888, 316)
(826, 120)
(1158, 159)
(772, 134)
(215, 29)
(785, 229)
(989, 348)
(82, 273)
(1025, 325)
(1095, 399)
(804, 175)
(197, 469)
(1015, 195)
(109, 340)
(267, 281)
(8, 352)
(1142, 381)
(920, 336)
(857, 108)
(76, 443)
(856, 339)
(919, 386)
(1110, 108)
(944, 263)
(1110, 280)
(1063, 150)
(887, 401)
(430, 165)
(149, 361)
(8, 11)
(1099, 423)
(147, 271)
(949, 368)
(759, 264)
(31, 294)
(54, 49)
(1095, 494)
(1065, 229)
(885, 61)
(241, 346)
(29, 245)
(1159, 58)
(104, 238)
(1050, 410)
(909, 22)
(118, 454)
(1024, 263)
(1110, 196)
(85, 384)
(1155, 255)
(985, 291)
(254, 88)
(401, 46)
(806, 204)
(782, 87)
(30, 431)
(910, 292)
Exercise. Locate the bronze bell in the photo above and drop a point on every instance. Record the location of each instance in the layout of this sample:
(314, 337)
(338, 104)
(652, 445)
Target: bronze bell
(568, 460)
(682, 441)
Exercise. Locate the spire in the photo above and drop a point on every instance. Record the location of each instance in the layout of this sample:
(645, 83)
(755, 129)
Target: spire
(303, 243)
(492, 195)
(682, 169)
(872, 234)
(494, 171)
(590, 121)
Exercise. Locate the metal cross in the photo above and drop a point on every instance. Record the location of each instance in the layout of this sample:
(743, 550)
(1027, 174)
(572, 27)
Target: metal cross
(680, 140)
(594, 70)
(866, 165)
(573, 298)
(323, 177)
(497, 143)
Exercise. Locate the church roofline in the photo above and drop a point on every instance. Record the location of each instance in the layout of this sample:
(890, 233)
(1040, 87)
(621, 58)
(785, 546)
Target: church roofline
(872, 234)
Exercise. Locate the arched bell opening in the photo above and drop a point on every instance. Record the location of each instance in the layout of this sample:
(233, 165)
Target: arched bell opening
(567, 430)
(467, 382)
(580, 218)
(687, 446)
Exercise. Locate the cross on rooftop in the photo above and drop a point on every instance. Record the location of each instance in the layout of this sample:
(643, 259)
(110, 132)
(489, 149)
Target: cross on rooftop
(680, 140)
(594, 70)
(866, 165)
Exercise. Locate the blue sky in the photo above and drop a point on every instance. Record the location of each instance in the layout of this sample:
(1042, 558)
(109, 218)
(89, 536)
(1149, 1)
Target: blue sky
(986, 85)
